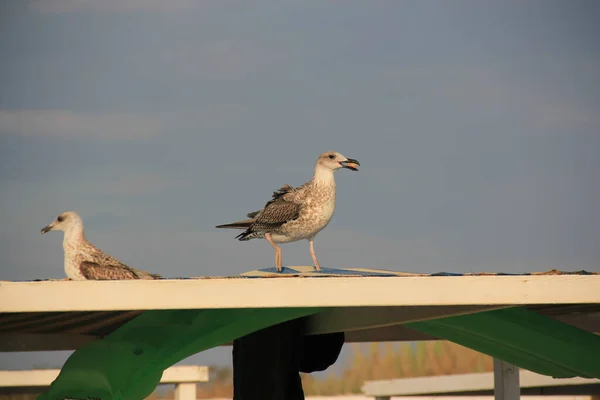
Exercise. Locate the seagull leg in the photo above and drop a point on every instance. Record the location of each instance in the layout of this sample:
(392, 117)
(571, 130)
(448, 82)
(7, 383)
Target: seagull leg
(278, 266)
(312, 253)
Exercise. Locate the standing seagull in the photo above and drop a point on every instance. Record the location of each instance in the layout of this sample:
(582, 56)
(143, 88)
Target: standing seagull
(297, 213)
(83, 261)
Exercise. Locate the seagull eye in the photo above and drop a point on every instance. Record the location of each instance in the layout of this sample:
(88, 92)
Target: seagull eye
(331, 156)
(60, 218)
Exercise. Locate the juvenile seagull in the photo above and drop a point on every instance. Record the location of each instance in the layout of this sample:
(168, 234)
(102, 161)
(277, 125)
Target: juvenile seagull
(83, 261)
(297, 213)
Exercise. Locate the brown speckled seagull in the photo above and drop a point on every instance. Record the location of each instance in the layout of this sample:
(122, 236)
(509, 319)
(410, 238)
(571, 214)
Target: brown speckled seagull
(83, 261)
(297, 213)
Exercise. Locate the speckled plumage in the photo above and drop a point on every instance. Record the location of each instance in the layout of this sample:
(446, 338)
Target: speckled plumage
(297, 213)
(84, 261)
(294, 213)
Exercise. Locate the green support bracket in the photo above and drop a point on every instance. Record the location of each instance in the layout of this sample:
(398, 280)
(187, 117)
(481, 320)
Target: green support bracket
(524, 338)
(128, 363)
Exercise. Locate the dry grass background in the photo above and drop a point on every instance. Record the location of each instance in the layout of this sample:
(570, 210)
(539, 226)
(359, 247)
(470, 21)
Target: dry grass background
(367, 361)
(398, 360)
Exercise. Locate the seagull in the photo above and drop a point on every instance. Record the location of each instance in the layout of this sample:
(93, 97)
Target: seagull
(84, 261)
(297, 213)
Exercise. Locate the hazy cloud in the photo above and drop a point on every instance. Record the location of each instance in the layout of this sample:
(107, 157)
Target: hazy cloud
(69, 6)
(219, 59)
(486, 93)
(65, 124)
(137, 183)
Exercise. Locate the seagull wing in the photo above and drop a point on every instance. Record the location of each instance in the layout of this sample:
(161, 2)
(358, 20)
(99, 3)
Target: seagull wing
(101, 266)
(276, 213)
(94, 271)
(280, 209)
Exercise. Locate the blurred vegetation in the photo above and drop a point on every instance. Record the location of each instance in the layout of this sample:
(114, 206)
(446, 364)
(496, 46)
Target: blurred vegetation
(367, 361)
(398, 360)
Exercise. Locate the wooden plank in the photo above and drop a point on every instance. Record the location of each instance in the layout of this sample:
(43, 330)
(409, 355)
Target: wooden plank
(35, 378)
(448, 384)
(10, 342)
(44, 377)
(382, 327)
(347, 319)
(185, 373)
(48, 296)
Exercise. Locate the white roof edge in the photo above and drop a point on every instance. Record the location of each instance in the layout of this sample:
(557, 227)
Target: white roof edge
(48, 296)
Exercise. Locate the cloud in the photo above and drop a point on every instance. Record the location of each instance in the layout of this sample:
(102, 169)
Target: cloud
(70, 6)
(136, 183)
(521, 102)
(488, 93)
(223, 59)
(65, 124)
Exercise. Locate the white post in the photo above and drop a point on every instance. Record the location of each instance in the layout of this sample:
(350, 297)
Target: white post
(506, 381)
(185, 391)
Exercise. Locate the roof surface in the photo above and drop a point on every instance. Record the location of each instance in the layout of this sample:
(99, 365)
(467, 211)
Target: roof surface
(40, 315)
(517, 318)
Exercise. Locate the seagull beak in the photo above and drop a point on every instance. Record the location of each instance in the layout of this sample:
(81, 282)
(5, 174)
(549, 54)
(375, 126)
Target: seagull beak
(46, 229)
(350, 163)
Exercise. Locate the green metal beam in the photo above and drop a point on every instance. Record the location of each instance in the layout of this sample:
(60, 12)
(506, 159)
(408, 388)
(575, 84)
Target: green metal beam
(128, 363)
(522, 337)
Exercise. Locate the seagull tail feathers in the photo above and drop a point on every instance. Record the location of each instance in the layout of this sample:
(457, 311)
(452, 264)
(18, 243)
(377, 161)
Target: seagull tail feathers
(237, 225)
(246, 224)
(246, 235)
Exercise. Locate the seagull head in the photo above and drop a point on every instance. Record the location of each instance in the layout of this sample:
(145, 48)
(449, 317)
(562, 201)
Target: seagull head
(333, 160)
(63, 222)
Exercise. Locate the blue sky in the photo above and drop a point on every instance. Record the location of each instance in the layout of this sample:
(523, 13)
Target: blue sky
(477, 125)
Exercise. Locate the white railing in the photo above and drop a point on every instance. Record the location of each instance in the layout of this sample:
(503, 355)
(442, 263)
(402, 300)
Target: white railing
(184, 377)
(451, 385)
